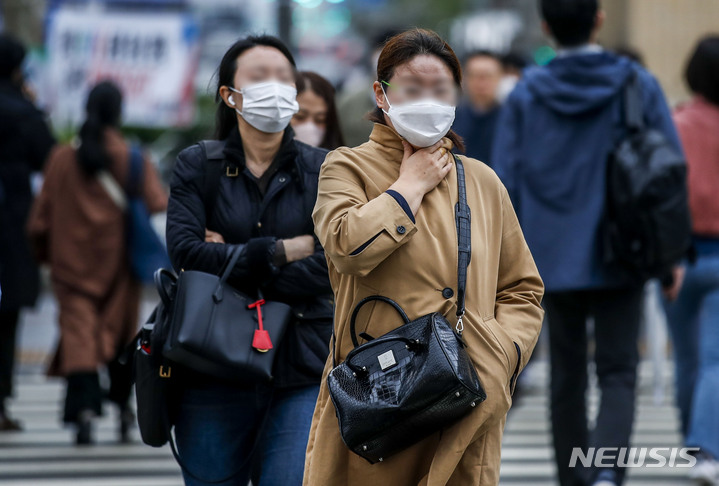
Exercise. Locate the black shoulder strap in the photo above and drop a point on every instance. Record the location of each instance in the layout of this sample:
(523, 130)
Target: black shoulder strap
(633, 109)
(214, 157)
(464, 241)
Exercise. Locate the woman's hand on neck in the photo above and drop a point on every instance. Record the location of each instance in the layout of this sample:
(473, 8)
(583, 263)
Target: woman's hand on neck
(260, 147)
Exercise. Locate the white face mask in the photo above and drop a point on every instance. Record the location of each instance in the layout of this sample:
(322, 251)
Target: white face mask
(268, 106)
(309, 132)
(422, 123)
(506, 86)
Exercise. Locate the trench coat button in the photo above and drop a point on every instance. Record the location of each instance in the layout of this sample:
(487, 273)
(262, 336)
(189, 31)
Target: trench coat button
(282, 179)
(447, 293)
(401, 229)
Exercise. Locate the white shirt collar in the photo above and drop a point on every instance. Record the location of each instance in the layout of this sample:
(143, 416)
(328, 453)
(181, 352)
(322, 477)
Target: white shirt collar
(578, 50)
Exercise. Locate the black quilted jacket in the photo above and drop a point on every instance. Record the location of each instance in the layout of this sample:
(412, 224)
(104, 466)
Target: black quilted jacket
(234, 207)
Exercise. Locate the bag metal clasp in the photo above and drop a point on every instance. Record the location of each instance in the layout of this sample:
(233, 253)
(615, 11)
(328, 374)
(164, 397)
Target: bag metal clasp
(460, 325)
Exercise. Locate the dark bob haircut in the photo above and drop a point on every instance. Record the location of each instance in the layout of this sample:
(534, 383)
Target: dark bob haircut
(702, 73)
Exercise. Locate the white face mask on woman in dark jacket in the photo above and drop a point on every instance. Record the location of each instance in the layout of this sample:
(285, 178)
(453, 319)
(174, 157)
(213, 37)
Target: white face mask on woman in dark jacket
(268, 106)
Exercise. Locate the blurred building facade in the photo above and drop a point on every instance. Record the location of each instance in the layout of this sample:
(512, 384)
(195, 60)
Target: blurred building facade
(664, 32)
(334, 37)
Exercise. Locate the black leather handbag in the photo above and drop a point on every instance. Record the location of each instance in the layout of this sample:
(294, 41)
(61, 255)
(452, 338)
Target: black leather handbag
(222, 332)
(397, 389)
(156, 380)
(155, 383)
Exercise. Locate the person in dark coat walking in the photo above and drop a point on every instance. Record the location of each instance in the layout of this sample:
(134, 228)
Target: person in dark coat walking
(262, 203)
(25, 141)
(554, 137)
(477, 116)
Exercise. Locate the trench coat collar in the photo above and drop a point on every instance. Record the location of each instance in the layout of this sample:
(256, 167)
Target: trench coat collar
(389, 139)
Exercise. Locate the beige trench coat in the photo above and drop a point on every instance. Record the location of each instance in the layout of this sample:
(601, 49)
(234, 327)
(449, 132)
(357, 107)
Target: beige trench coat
(412, 263)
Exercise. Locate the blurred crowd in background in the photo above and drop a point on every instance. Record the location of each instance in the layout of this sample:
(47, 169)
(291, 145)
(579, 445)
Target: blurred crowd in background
(163, 53)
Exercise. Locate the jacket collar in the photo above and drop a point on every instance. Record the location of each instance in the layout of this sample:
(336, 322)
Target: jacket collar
(286, 158)
(389, 139)
(588, 48)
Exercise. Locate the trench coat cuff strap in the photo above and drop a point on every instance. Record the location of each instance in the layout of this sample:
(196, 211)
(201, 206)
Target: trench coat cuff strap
(397, 223)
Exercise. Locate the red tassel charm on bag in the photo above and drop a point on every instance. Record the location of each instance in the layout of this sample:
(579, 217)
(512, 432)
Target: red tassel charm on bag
(261, 341)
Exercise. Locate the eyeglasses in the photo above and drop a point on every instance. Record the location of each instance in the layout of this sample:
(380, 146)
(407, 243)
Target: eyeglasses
(445, 92)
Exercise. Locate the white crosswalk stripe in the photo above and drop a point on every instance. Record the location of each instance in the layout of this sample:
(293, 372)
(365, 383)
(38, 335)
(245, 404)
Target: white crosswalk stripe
(44, 454)
(527, 455)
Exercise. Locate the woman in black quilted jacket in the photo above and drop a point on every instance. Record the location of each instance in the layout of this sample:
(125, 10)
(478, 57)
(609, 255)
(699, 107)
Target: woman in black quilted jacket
(256, 193)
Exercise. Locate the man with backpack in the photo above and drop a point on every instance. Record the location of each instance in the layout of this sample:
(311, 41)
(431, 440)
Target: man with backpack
(561, 130)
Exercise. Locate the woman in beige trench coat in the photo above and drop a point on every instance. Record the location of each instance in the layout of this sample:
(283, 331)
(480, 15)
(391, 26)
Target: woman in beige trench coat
(385, 217)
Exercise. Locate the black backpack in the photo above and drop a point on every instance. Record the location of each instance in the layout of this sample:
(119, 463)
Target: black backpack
(648, 224)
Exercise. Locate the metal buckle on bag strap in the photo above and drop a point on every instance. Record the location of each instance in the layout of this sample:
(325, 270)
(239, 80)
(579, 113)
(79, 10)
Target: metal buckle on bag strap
(460, 324)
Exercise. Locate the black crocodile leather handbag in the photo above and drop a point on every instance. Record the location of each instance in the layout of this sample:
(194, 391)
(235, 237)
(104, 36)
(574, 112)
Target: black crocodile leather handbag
(395, 390)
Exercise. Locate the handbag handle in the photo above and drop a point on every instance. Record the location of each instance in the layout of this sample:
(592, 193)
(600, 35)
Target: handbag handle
(164, 280)
(362, 302)
(228, 267)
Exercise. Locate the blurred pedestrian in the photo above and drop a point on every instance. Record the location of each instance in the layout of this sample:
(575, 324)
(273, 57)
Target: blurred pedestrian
(79, 229)
(692, 303)
(385, 215)
(261, 204)
(25, 141)
(317, 122)
(554, 137)
(356, 100)
(513, 65)
(477, 116)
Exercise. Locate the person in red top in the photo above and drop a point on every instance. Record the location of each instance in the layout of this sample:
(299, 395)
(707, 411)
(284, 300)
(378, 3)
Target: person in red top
(692, 303)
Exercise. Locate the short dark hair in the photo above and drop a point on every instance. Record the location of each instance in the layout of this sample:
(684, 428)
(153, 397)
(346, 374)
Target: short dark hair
(404, 47)
(480, 53)
(570, 21)
(514, 60)
(225, 118)
(12, 53)
(702, 73)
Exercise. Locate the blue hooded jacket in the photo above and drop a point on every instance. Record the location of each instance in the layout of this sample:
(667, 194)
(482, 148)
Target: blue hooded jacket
(554, 135)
